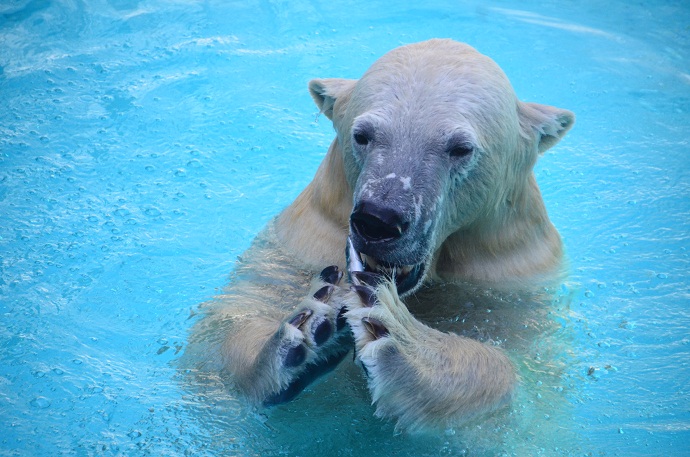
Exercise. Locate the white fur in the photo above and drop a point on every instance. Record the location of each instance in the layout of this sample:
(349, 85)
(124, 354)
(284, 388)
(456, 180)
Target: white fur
(480, 219)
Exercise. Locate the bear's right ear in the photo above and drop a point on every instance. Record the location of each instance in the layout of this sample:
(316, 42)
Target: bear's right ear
(326, 91)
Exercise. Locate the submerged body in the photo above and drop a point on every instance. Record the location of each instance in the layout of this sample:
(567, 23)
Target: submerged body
(430, 176)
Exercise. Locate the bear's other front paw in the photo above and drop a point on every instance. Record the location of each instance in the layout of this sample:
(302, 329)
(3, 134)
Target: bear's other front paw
(309, 342)
(418, 376)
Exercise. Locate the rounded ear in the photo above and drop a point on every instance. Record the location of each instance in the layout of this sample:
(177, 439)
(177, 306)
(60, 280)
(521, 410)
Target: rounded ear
(325, 92)
(549, 123)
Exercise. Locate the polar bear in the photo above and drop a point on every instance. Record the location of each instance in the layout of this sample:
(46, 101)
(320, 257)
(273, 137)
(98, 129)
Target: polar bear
(429, 180)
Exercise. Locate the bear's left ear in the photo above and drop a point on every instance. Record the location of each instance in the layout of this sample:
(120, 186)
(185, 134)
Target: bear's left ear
(326, 91)
(550, 124)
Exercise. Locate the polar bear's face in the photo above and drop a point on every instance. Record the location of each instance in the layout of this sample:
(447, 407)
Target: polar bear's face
(433, 143)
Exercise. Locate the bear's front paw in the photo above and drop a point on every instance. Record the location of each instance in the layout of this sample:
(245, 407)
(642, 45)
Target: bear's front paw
(309, 343)
(418, 376)
(378, 321)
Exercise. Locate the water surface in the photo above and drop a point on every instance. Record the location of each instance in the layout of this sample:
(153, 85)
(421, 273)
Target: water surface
(143, 144)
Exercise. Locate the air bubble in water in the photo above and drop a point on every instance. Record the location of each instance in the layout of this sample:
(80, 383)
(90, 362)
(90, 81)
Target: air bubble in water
(40, 402)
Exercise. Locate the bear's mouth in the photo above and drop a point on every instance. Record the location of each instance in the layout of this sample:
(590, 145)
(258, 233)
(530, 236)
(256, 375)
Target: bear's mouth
(407, 278)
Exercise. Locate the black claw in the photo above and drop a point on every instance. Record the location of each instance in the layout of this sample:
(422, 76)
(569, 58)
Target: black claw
(366, 294)
(375, 327)
(360, 363)
(340, 321)
(367, 278)
(301, 318)
(331, 275)
(364, 369)
(324, 293)
(295, 356)
(323, 332)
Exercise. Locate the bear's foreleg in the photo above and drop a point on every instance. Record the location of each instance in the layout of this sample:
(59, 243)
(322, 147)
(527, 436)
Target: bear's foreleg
(418, 376)
(272, 361)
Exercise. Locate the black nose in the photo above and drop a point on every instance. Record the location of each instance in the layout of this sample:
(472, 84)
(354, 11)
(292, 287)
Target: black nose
(374, 222)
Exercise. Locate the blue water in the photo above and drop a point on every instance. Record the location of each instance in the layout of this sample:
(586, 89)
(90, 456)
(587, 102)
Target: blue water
(143, 144)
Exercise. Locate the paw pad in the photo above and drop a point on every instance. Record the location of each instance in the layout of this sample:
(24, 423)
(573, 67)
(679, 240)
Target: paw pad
(331, 275)
(366, 294)
(324, 293)
(301, 318)
(323, 332)
(366, 278)
(295, 356)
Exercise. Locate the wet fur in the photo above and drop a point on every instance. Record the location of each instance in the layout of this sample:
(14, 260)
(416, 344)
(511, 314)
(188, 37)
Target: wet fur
(422, 377)
(418, 376)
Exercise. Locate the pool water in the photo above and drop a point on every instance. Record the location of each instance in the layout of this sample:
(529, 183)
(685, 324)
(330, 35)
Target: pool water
(143, 144)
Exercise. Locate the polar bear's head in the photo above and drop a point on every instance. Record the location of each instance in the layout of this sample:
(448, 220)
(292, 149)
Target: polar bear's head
(434, 141)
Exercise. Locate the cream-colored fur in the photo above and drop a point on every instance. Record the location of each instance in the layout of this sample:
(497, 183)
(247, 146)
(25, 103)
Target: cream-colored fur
(486, 217)
(424, 378)
(511, 237)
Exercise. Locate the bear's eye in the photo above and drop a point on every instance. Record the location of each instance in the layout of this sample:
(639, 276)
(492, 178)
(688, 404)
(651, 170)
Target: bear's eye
(461, 150)
(361, 138)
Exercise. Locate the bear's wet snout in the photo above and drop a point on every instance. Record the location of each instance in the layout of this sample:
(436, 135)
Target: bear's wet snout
(374, 222)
